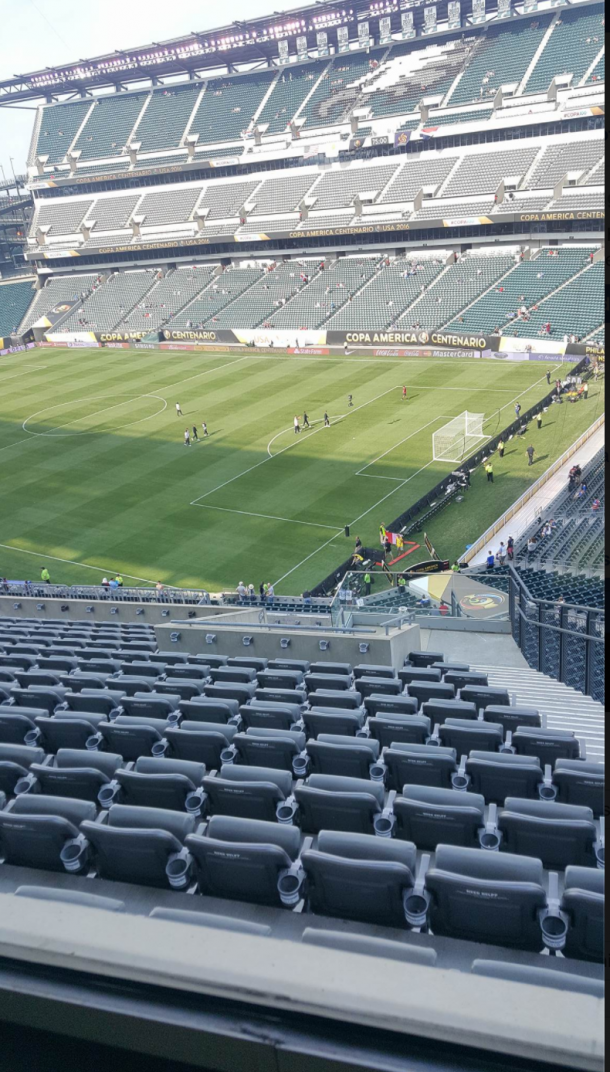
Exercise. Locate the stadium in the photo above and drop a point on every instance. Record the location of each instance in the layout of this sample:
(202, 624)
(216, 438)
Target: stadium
(302, 527)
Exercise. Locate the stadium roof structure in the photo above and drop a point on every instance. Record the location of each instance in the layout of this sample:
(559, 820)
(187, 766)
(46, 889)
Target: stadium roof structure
(244, 44)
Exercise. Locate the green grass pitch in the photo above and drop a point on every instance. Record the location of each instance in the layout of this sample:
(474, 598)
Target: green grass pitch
(94, 472)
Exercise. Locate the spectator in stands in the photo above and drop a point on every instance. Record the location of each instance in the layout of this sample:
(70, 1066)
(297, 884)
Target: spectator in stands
(531, 545)
(490, 560)
(443, 608)
(501, 553)
(242, 591)
(595, 505)
(510, 548)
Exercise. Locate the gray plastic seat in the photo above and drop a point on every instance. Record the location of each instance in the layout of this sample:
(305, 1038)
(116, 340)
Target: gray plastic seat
(157, 783)
(224, 675)
(373, 670)
(465, 735)
(289, 664)
(486, 897)
(330, 668)
(379, 686)
(248, 792)
(72, 897)
(143, 845)
(37, 677)
(151, 705)
(210, 919)
(280, 679)
(183, 688)
(328, 802)
(268, 748)
(410, 729)
(143, 667)
(579, 782)
(534, 976)
(546, 745)
(557, 834)
(130, 683)
(484, 696)
(254, 662)
(497, 775)
(444, 666)
(512, 717)
(15, 762)
(379, 703)
(16, 659)
(16, 724)
(423, 658)
(96, 666)
(243, 693)
(332, 720)
(35, 829)
(345, 757)
(202, 709)
(169, 658)
(130, 737)
(283, 696)
(338, 682)
(97, 701)
(77, 680)
(422, 691)
(44, 696)
(269, 716)
(199, 742)
(247, 860)
(72, 773)
(583, 903)
(349, 698)
(428, 816)
(428, 674)
(367, 946)
(419, 764)
(68, 729)
(438, 711)
(359, 877)
(461, 678)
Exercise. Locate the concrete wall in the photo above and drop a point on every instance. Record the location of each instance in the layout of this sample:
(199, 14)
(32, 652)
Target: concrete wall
(151, 613)
(385, 650)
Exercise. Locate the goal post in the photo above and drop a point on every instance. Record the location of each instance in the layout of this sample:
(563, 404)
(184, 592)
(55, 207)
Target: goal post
(457, 439)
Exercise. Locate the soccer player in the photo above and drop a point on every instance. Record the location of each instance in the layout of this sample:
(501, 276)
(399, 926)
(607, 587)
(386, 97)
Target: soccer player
(326, 420)
(345, 348)
(297, 426)
(178, 410)
(306, 423)
(187, 438)
(349, 400)
(195, 436)
(404, 394)
(548, 375)
(517, 409)
(204, 429)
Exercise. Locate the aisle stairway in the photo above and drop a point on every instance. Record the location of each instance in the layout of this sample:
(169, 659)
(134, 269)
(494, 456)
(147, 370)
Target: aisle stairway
(565, 708)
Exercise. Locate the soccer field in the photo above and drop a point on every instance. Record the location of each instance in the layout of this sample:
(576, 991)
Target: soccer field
(95, 475)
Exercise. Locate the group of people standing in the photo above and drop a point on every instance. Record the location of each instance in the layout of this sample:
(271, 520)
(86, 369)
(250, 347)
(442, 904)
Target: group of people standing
(247, 593)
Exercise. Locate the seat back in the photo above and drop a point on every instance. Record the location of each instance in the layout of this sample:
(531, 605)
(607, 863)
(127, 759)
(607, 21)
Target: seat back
(68, 729)
(137, 844)
(15, 725)
(332, 803)
(429, 816)
(485, 695)
(579, 782)
(34, 829)
(149, 705)
(512, 717)
(373, 670)
(359, 877)
(200, 742)
(424, 690)
(75, 773)
(547, 745)
(130, 737)
(438, 711)
(280, 679)
(15, 762)
(98, 701)
(349, 698)
(159, 783)
(379, 703)
(461, 678)
(420, 764)
(428, 674)
(202, 709)
(247, 792)
(243, 693)
(228, 674)
(465, 735)
(375, 686)
(583, 902)
(423, 658)
(497, 775)
(410, 729)
(331, 720)
(557, 834)
(269, 716)
(341, 756)
(243, 859)
(268, 748)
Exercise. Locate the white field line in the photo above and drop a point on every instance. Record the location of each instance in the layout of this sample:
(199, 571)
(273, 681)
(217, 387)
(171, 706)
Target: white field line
(270, 517)
(361, 472)
(394, 490)
(96, 413)
(318, 420)
(19, 369)
(73, 562)
(284, 449)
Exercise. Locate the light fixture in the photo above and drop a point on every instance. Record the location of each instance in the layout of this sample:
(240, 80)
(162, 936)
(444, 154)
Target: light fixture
(40, 606)
(324, 645)
(363, 648)
(285, 642)
(165, 614)
(210, 638)
(90, 610)
(140, 610)
(247, 641)
(114, 610)
(175, 637)
(16, 606)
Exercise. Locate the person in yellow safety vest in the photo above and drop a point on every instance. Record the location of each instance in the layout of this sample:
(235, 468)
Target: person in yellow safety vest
(489, 469)
(456, 566)
(45, 575)
(402, 583)
(501, 449)
(367, 584)
(119, 580)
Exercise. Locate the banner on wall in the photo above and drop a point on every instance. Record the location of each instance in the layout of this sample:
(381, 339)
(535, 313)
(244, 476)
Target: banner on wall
(407, 30)
(478, 11)
(282, 51)
(57, 313)
(402, 137)
(322, 43)
(364, 35)
(385, 30)
(356, 143)
(454, 15)
(301, 46)
(343, 39)
(429, 20)
(504, 9)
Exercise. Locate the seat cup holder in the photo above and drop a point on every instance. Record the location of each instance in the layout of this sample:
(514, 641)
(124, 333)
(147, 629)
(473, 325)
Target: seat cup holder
(32, 737)
(299, 766)
(289, 886)
(415, 908)
(460, 782)
(383, 826)
(25, 784)
(377, 772)
(507, 749)
(362, 733)
(106, 795)
(178, 870)
(194, 802)
(600, 856)
(489, 841)
(285, 813)
(547, 792)
(92, 743)
(159, 749)
(74, 855)
(227, 756)
(173, 718)
(554, 929)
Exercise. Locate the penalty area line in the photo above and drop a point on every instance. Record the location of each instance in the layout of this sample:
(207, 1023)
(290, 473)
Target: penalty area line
(269, 517)
(74, 562)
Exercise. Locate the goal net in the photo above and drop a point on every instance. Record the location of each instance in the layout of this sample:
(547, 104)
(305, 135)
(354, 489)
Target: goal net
(459, 438)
